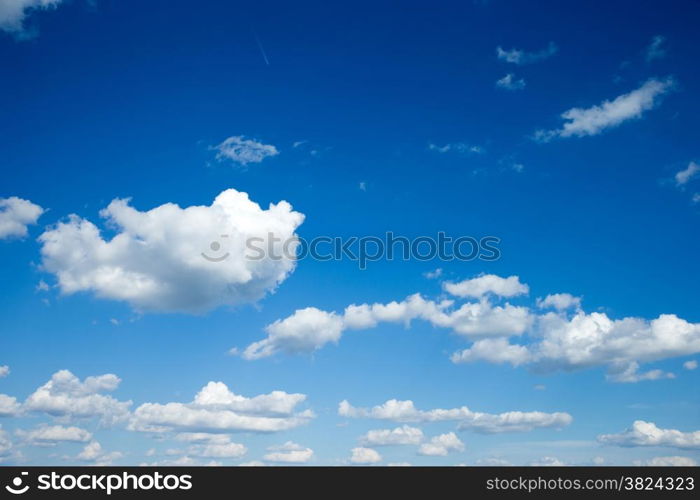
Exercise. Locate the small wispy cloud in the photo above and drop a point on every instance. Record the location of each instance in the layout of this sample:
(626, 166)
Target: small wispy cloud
(582, 122)
(456, 147)
(521, 57)
(509, 82)
(244, 151)
(309, 148)
(262, 49)
(431, 275)
(684, 176)
(655, 50)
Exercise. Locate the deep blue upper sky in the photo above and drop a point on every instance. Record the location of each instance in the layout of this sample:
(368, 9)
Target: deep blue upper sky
(125, 99)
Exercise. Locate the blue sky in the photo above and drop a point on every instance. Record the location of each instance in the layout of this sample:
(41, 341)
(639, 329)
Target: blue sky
(570, 133)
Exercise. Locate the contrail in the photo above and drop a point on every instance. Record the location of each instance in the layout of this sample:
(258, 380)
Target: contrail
(262, 49)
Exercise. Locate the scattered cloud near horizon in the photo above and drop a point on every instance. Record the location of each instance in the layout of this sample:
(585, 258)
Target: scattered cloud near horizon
(649, 434)
(406, 412)
(201, 429)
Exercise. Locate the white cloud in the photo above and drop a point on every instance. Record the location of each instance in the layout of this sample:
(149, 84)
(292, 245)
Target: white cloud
(305, 331)
(14, 12)
(184, 461)
(310, 329)
(696, 198)
(244, 151)
(66, 397)
(50, 435)
(403, 435)
(483, 319)
(362, 455)
(405, 411)
(472, 319)
(582, 122)
(274, 403)
(684, 176)
(252, 463)
(673, 461)
(655, 49)
(595, 339)
(548, 462)
(5, 445)
(15, 215)
(628, 372)
(218, 449)
(93, 452)
(648, 434)
(9, 406)
(559, 301)
(487, 284)
(289, 452)
(456, 147)
(565, 339)
(493, 462)
(431, 275)
(202, 437)
(493, 351)
(4, 371)
(509, 82)
(690, 365)
(175, 259)
(520, 57)
(585, 340)
(441, 446)
(216, 409)
(514, 421)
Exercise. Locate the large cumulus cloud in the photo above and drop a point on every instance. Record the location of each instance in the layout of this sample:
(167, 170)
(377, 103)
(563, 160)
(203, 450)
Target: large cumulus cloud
(170, 258)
